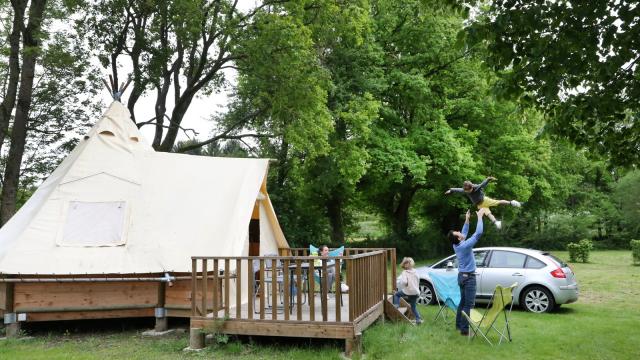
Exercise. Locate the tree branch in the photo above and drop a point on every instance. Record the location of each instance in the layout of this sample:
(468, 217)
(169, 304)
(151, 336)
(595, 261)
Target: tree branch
(221, 137)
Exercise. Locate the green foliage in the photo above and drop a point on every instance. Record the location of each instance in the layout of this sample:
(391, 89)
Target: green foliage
(63, 98)
(557, 231)
(635, 251)
(575, 60)
(580, 251)
(626, 195)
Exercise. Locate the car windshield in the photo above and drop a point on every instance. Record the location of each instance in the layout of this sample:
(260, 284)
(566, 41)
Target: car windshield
(556, 259)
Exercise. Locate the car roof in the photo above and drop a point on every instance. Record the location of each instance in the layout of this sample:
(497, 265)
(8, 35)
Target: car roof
(506, 248)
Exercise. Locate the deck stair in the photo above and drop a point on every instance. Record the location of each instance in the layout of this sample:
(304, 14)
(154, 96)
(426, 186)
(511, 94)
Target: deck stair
(402, 313)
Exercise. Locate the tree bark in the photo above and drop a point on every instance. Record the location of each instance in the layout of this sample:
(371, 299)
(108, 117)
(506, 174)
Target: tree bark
(31, 42)
(401, 212)
(9, 100)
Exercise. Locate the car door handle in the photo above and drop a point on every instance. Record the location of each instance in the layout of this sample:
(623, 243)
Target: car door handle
(516, 274)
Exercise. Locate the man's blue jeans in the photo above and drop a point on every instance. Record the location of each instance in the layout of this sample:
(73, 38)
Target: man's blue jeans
(411, 299)
(467, 283)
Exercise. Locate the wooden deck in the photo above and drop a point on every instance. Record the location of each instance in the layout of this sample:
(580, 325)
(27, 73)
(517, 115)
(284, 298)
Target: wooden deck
(247, 288)
(296, 313)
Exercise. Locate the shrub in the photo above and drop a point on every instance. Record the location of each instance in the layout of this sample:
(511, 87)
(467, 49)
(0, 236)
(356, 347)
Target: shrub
(580, 251)
(635, 251)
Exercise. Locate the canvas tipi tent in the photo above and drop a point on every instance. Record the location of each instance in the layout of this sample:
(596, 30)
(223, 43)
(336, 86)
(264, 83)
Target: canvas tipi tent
(116, 208)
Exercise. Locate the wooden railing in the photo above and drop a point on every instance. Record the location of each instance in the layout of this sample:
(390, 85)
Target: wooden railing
(237, 287)
(390, 254)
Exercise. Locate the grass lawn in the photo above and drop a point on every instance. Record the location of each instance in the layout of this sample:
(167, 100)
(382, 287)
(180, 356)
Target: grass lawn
(603, 324)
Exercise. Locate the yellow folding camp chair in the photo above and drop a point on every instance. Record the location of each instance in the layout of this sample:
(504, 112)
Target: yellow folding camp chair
(483, 323)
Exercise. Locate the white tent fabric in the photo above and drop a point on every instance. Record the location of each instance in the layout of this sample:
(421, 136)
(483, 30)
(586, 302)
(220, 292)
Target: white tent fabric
(171, 207)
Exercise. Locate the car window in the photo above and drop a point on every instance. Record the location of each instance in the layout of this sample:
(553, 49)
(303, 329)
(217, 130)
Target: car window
(507, 259)
(443, 264)
(557, 260)
(533, 263)
(480, 257)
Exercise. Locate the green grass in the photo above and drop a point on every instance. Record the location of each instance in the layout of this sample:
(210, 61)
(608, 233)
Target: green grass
(603, 324)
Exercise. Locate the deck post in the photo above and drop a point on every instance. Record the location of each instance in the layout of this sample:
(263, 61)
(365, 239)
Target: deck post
(352, 345)
(10, 317)
(196, 339)
(161, 311)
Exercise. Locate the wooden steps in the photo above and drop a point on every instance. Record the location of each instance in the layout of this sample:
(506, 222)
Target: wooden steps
(402, 313)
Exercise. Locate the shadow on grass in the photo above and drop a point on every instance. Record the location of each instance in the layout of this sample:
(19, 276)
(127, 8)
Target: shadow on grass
(288, 343)
(563, 310)
(97, 326)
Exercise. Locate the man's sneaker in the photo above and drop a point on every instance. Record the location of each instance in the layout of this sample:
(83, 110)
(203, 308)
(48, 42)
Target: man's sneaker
(515, 203)
(418, 321)
(498, 224)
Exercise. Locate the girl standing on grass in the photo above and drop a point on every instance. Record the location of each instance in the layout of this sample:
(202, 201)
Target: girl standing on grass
(408, 287)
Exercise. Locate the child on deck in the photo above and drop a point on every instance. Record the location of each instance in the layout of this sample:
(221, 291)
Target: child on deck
(476, 195)
(408, 287)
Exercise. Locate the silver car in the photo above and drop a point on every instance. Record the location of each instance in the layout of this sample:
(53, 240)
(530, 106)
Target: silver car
(544, 281)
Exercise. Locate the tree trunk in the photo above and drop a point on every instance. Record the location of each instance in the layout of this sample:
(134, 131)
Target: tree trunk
(176, 119)
(9, 101)
(336, 218)
(401, 213)
(31, 42)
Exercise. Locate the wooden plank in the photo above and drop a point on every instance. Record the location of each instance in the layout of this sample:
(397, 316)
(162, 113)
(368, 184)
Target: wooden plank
(262, 292)
(352, 288)
(281, 328)
(338, 291)
(194, 285)
(227, 290)
(179, 313)
(369, 317)
(239, 289)
(251, 277)
(312, 291)
(299, 287)
(203, 286)
(324, 289)
(162, 294)
(216, 283)
(3, 296)
(274, 289)
(81, 315)
(46, 295)
(179, 293)
(393, 269)
(287, 288)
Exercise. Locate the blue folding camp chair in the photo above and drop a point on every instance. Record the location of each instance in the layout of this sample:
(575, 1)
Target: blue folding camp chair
(447, 291)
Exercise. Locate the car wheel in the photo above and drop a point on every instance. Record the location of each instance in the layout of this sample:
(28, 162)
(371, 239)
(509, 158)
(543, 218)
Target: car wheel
(426, 296)
(538, 300)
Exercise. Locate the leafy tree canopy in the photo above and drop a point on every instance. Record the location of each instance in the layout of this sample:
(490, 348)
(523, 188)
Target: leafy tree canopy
(577, 60)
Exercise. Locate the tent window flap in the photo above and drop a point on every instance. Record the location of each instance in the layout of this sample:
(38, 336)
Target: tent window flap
(94, 224)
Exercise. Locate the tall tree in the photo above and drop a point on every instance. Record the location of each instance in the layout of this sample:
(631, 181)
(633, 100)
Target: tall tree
(353, 60)
(54, 98)
(31, 42)
(412, 147)
(178, 50)
(577, 60)
(12, 71)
